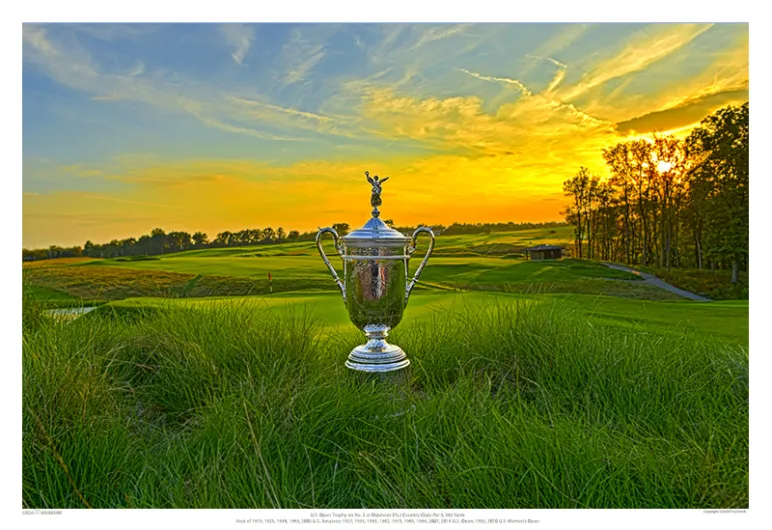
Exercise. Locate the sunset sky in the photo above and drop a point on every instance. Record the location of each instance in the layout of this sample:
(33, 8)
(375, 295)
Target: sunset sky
(224, 127)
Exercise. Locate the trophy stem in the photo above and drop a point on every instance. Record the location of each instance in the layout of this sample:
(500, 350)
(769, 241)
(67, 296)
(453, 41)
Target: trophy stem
(377, 355)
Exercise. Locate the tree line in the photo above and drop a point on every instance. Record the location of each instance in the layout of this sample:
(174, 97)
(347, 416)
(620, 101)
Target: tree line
(669, 202)
(159, 242)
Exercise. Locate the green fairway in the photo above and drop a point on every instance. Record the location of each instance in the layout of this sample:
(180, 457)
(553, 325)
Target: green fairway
(467, 270)
(242, 265)
(466, 258)
(724, 320)
(485, 262)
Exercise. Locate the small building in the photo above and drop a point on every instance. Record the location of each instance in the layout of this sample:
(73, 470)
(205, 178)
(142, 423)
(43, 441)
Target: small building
(544, 252)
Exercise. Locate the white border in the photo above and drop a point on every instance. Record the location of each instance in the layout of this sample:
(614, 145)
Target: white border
(391, 11)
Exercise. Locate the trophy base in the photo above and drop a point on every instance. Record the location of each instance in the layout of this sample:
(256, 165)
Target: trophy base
(377, 356)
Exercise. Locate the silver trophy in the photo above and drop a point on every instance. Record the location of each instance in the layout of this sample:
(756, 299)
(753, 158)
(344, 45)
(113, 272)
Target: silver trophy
(375, 287)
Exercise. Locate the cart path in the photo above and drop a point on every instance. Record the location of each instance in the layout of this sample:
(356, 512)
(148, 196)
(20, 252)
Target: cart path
(653, 280)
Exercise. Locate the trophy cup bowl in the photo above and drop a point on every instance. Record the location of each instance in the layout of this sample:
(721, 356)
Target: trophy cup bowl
(375, 285)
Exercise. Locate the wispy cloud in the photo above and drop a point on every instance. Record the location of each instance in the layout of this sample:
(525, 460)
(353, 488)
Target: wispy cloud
(239, 37)
(546, 100)
(504, 80)
(390, 34)
(550, 59)
(561, 40)
(438, 33)
(642, 49)
(727, 72)
(35, 37)
(419, 47)
(338, 125)
(559, 75)
(72, 66)
(282, 110)
(117, 32)
(724, 70)
(300, 57)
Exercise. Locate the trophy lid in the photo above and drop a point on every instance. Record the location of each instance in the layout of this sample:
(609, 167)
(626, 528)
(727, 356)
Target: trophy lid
(375, 232)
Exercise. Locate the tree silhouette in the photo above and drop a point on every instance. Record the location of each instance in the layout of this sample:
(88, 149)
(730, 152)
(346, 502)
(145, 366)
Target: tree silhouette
(158, 237)
(341, 228)
(199, 239)
(268, 235)
(577, 188)
(722, 175)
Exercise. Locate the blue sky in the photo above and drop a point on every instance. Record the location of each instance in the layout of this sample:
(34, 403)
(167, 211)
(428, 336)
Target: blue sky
(117, 114)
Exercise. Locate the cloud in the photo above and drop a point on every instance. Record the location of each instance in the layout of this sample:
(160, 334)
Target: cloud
(642, 49)
(300, 56)
(382, 51)
(240, 37)
(110, 32)
(242, 110)
(724, 70)
(459, 124)
(561, 40)
(438, 33)
(504, 80)
(35, 36)
(727, 72)
(415, 48)
(559, 75)
(550, 59)
(281, 110)
(683, 115)
(72, 66)
(546, 100)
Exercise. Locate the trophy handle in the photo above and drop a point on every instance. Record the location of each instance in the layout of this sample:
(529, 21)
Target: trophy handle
(326, 261)
(410, 249)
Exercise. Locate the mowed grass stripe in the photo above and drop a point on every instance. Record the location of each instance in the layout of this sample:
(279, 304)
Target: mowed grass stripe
(723, 320)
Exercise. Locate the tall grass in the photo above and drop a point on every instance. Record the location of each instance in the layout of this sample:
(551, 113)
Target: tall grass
(516, 406)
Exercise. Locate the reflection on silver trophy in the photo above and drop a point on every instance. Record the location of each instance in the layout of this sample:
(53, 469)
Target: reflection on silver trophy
(375, 285)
